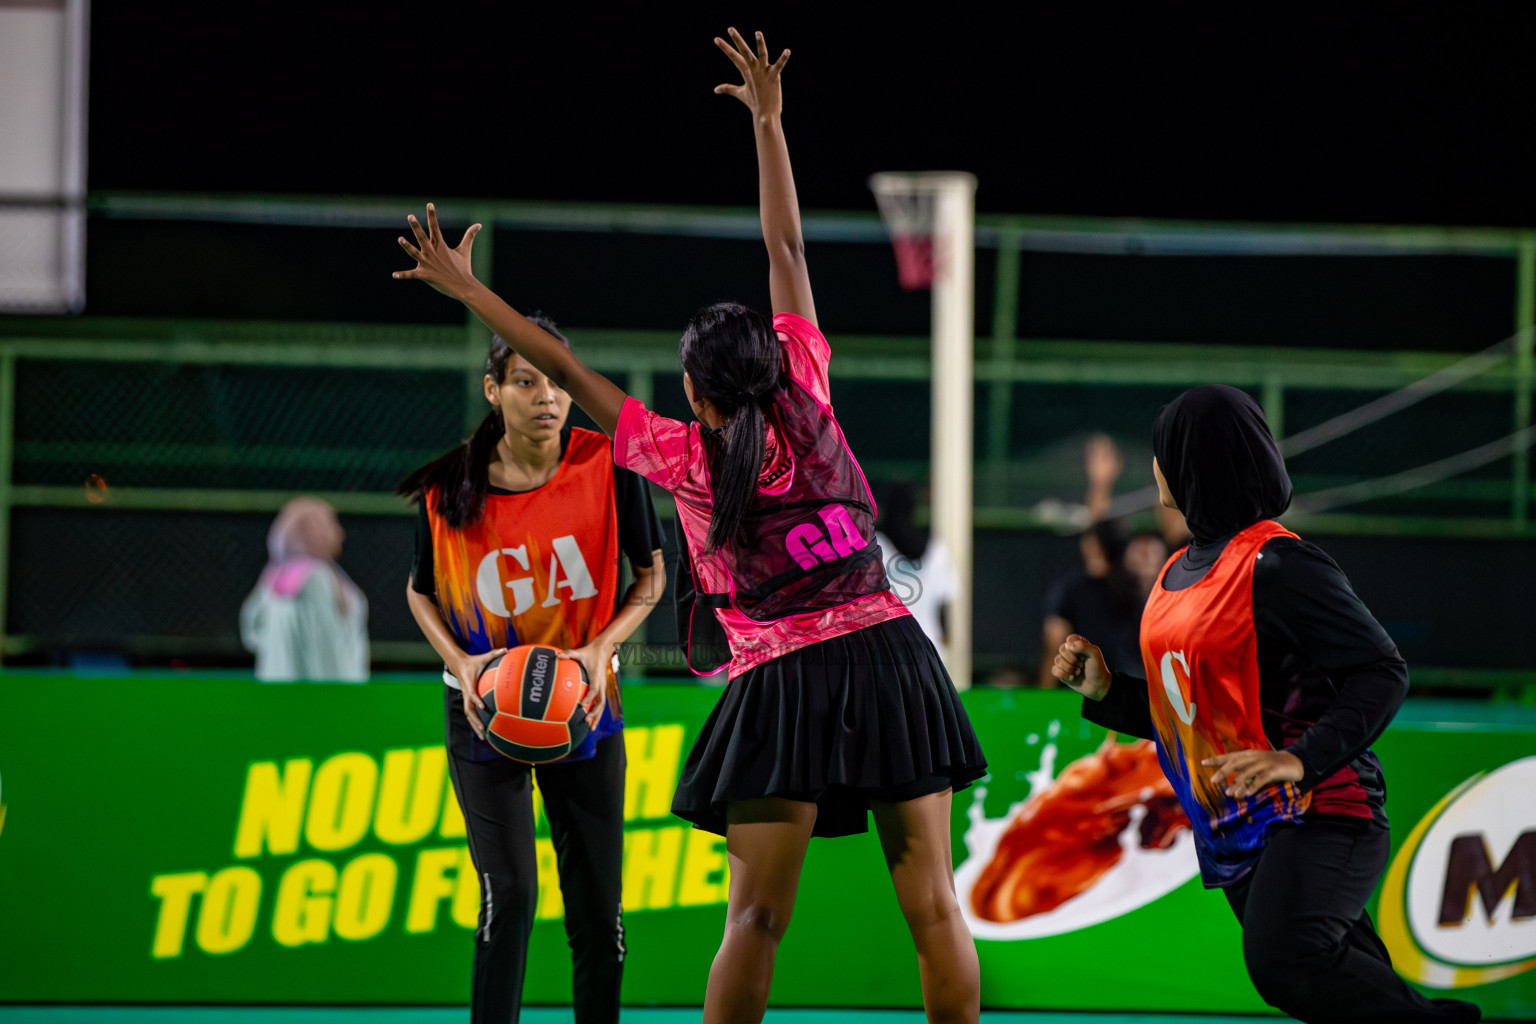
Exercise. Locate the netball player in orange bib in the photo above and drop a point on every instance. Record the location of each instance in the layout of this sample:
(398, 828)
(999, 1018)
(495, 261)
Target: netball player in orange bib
(1266, 682)
(837, 704)
(519, 540)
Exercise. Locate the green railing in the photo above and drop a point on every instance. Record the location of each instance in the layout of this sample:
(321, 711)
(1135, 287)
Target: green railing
(1005, 362)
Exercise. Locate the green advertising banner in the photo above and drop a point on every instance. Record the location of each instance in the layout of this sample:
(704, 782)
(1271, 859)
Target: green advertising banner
(197, 839)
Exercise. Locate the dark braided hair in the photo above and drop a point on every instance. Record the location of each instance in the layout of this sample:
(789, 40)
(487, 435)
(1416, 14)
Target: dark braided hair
(731, 354)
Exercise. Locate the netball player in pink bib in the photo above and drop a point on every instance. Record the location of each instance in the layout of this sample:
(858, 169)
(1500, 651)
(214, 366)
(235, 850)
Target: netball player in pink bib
(837, 704)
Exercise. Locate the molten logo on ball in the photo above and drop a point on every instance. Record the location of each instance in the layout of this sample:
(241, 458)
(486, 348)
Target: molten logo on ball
(538, 673)
(532, 699)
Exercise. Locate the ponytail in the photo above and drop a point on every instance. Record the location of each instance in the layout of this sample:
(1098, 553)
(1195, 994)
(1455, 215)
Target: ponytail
(460, 477)
(736, 470)
(731, 354)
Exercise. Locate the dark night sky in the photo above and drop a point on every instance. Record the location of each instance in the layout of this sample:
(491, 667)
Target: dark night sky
(1375, 113)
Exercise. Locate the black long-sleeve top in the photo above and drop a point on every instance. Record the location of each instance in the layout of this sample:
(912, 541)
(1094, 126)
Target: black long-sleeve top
(1330, 678)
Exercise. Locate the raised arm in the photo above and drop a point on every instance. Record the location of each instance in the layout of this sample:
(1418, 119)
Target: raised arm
(1102, 459)
(789, 283)
(447, 268)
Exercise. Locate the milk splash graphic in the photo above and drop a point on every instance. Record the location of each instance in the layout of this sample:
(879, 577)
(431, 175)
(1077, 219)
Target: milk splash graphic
(1138, 878)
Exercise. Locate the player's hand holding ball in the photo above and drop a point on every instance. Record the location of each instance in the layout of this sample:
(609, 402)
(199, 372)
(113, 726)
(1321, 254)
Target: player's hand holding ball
(595, 659)
(532, 703)
(466, 670)
(1081, 666)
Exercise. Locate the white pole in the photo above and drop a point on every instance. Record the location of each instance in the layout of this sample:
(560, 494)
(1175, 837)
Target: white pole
(954, 216)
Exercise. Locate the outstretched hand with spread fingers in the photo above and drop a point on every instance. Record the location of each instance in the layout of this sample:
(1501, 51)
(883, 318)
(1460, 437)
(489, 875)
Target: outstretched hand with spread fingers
(445, 268)
(759, 88)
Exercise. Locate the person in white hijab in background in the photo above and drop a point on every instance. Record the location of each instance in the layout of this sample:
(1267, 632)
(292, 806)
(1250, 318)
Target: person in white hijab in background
(306, 619)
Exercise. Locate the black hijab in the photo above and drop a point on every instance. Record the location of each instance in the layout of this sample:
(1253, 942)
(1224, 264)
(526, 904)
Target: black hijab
(1221, 463)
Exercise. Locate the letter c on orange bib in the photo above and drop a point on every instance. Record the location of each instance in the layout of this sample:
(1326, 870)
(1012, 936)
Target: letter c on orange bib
(532, 698)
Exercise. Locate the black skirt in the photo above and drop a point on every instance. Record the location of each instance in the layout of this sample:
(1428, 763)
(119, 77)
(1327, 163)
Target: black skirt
(870, 714)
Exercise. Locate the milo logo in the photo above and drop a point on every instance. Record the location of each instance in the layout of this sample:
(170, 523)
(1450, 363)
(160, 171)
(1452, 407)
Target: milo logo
(1458, 906)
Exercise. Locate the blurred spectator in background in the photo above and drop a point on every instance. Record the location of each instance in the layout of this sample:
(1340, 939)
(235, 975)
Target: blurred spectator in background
(1117, 572)
(917, 563)
(1104, 464)
(306, 619)
(1144, 558)
(1103, 593)
(1009, 677)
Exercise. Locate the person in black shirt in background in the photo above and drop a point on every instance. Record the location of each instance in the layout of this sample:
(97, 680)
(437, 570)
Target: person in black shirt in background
(1101, 600)
(1104, 597)
(1287, 680)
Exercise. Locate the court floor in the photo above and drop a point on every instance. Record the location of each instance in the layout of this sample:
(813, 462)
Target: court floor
(533, 1015)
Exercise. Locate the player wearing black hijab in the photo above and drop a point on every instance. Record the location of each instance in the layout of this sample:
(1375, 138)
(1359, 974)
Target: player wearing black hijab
(1270, 680)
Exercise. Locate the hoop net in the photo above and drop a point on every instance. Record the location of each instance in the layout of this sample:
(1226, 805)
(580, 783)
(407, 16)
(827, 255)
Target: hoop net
(906, 206)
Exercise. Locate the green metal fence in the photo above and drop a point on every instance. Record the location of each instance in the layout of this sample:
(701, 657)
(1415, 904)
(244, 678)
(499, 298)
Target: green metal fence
(123, 413)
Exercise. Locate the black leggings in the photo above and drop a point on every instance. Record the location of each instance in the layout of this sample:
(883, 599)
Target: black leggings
(584, 801)
(1310, 947)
